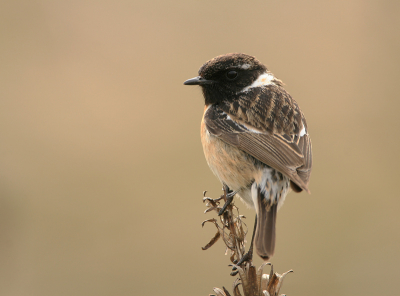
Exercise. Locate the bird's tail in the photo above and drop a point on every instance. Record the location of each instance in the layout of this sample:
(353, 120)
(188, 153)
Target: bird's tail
(264, 240)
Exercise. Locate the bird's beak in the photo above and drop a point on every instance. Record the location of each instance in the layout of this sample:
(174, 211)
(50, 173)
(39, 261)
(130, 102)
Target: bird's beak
(198, 81)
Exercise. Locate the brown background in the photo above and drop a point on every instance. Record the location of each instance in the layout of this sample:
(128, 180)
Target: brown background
(101, 166)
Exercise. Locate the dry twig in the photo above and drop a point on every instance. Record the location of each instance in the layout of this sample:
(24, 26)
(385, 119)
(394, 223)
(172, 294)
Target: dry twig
(233, 230)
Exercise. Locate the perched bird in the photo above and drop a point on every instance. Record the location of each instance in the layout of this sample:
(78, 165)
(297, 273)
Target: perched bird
(255, 139)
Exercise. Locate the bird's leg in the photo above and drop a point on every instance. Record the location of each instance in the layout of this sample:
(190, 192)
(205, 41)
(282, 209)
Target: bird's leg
(249, 255)
(229, 194)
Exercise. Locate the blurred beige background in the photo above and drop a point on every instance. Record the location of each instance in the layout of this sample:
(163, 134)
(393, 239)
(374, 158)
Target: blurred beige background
(101, 166)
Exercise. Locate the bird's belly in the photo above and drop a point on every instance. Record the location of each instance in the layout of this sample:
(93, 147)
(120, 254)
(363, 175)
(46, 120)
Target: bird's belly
(238, 170)
(232, 166)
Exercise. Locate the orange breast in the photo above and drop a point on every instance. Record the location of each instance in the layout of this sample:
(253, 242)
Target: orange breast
(232, 166)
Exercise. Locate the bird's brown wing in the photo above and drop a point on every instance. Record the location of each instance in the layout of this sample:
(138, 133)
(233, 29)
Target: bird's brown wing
(278, 145)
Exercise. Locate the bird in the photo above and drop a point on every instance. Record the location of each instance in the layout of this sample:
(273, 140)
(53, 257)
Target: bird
(255, 139)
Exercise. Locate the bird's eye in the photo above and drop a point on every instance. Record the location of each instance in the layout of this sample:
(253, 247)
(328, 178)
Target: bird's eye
(231, 74)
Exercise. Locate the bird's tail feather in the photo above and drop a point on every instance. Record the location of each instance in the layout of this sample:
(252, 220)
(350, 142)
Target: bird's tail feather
(264, 240)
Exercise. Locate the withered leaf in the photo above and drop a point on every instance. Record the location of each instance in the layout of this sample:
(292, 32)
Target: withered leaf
(212, 241)
(219, 292)
(211, 209)
(209, 220)
(226, 291)
(236, 291)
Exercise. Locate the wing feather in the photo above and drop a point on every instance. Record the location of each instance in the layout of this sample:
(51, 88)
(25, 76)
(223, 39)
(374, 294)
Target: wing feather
(281, 148)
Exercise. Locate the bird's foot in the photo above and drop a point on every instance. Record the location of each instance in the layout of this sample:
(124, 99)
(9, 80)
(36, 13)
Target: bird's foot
(228, 197)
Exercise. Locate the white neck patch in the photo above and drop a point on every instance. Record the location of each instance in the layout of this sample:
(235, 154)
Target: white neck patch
(263, 79)
(303, 131)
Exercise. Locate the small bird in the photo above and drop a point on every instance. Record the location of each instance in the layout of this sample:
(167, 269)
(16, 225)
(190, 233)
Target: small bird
(255, 139)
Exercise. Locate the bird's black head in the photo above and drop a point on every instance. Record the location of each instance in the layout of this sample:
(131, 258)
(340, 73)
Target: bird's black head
(224, 76)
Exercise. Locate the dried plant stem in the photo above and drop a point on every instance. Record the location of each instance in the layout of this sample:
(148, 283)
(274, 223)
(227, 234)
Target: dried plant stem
(230, 228)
